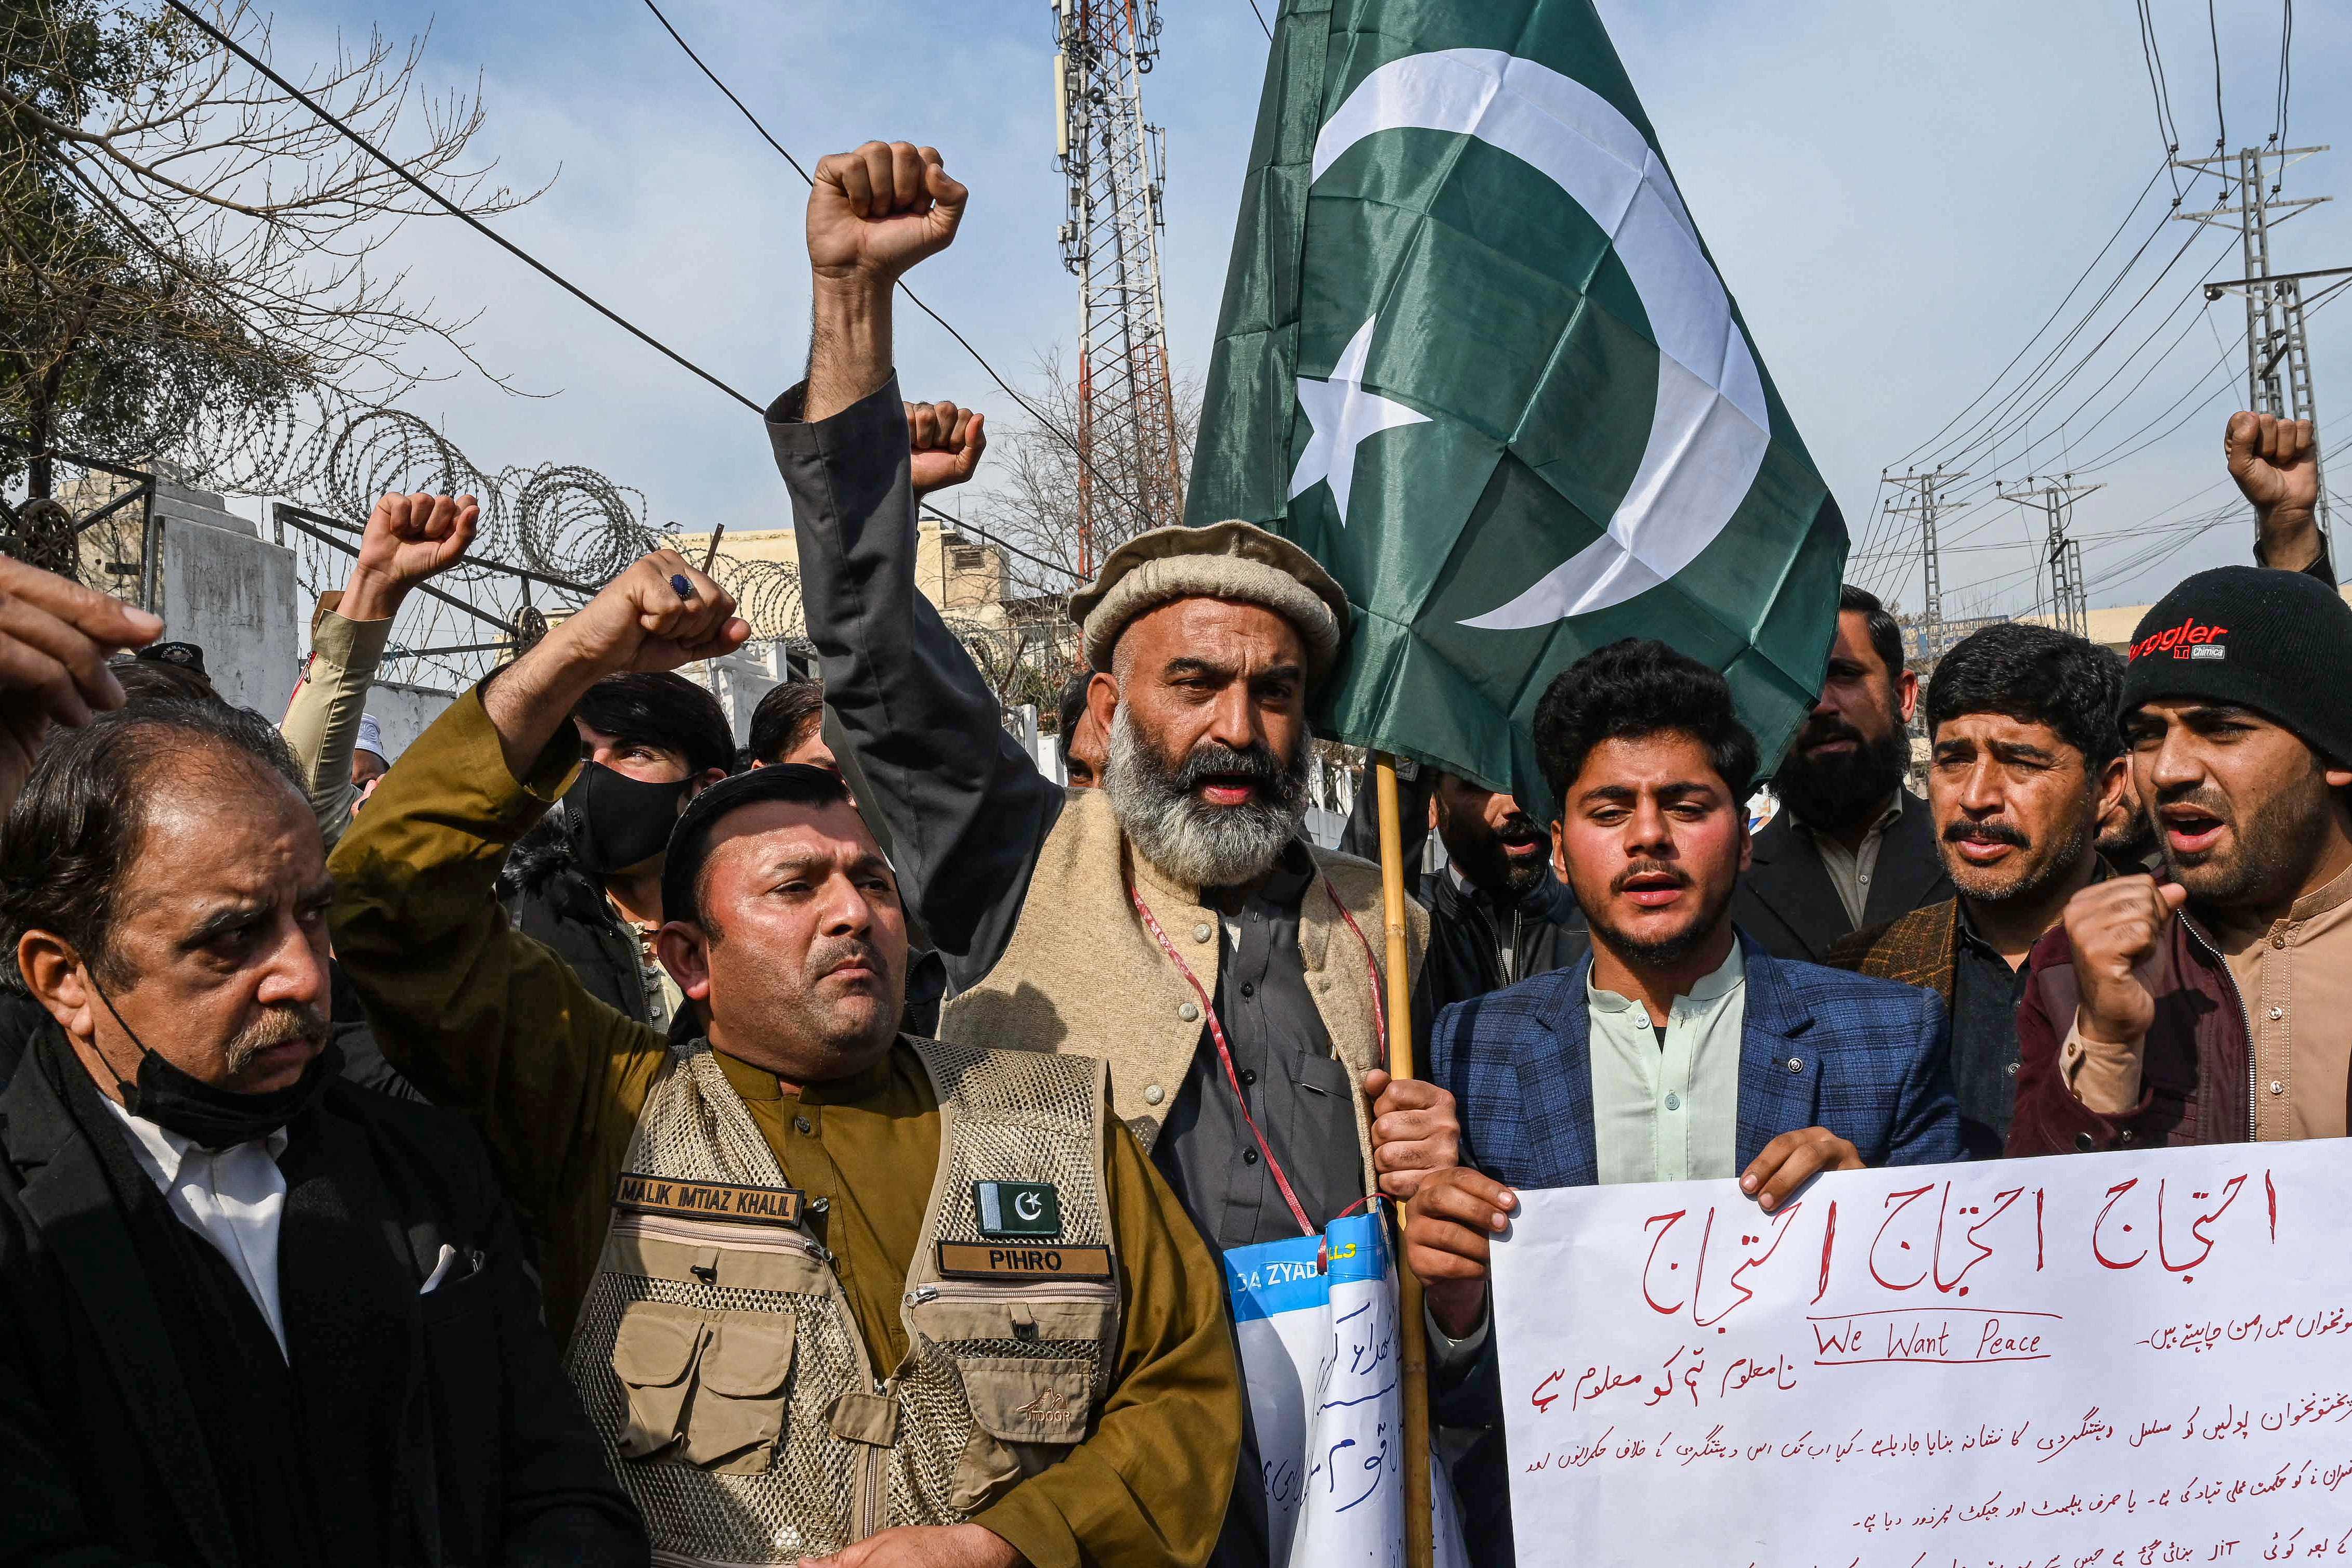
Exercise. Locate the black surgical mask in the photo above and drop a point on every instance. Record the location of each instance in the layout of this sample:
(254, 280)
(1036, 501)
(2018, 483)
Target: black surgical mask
(616, 822)
(209, 1117)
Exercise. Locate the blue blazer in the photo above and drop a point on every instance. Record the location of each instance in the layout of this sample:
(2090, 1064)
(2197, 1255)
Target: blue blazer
(1869, 1060)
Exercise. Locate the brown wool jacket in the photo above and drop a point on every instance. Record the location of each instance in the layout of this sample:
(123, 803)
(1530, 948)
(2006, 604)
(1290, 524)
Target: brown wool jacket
(1916, 949)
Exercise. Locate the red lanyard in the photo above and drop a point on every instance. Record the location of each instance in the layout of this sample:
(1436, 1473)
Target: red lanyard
(1224, 1051)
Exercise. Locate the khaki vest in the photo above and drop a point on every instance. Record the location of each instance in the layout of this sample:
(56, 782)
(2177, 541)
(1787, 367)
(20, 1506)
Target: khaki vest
(1084, 974)
(721, 1362)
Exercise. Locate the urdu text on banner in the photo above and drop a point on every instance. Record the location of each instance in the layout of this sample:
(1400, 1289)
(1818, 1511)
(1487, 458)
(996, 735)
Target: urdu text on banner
(2120, 1359)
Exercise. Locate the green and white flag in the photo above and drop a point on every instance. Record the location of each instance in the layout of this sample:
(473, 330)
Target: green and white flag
(1475, 358)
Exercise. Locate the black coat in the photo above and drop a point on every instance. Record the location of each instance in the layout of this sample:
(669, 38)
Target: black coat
(1477, 944)
(1788, 902)
(104, 1456)
(1469, 937)
(552, 899)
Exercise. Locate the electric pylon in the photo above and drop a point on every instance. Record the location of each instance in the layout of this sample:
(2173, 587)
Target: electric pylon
(2278, 354)
(2069, 595)
(1925, 504)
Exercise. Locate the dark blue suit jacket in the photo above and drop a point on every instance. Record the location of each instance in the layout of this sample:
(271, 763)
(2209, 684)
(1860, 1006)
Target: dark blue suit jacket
(1869, 1060)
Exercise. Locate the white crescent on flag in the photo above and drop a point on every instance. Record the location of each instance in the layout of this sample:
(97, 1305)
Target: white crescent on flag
(1711, 427)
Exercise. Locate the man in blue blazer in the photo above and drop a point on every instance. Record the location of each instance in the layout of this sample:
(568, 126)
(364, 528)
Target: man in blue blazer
(1678, 1050)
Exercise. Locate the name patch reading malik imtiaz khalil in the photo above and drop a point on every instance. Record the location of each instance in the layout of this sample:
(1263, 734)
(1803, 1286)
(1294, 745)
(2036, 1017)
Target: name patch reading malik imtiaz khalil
(706, 1200)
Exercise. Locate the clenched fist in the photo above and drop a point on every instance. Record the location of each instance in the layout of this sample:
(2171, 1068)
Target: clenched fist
(875, 213)
(408, 538)
(2276, 464)
(2114, 927)
(946, 442)
(660, 613)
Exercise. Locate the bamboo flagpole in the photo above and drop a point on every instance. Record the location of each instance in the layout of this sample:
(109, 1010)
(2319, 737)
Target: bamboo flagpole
(1412, 1334)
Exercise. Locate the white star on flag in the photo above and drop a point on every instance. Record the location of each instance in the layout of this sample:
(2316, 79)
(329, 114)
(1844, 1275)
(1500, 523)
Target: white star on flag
(1344, 415)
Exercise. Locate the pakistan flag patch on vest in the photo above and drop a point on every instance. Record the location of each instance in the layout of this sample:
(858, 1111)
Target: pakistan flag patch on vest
(1017, 1209)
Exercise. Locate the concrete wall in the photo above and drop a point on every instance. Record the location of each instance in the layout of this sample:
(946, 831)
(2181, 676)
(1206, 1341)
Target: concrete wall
(232, 594)
(739, 681)
(404, 712)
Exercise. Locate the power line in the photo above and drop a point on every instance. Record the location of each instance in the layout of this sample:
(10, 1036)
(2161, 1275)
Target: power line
(2221, 123)
(1002, 385)
(1261, 20)
(453, 209)
(2168, 131)
(2285, 72)
(2137, 203)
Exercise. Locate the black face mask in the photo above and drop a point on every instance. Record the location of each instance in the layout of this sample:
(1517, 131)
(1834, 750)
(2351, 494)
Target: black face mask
(616, 822)
(215, 1117)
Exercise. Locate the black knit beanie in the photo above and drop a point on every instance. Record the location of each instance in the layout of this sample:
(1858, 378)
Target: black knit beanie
(2277, 642)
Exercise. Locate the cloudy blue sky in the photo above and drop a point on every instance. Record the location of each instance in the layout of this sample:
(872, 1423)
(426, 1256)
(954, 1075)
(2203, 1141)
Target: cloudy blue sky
(1898, 196)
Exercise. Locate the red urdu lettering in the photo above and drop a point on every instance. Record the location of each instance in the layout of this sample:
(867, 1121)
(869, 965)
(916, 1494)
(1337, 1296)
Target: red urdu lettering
(1901, 1201)
(2115, 1196)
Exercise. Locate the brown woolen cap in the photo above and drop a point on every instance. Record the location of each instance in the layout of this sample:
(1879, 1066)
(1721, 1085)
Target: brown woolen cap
(1237, 560)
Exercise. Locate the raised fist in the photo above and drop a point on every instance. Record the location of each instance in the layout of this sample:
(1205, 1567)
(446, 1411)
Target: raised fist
(2275, 463)
(876, 211)
(408, 538)
(2115, 926)
(946, 442)
(642, 621)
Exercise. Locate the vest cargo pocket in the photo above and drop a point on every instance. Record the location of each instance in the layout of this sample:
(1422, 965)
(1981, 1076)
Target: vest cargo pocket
(653, 1355)
(1027, 1414)
(738, 1398)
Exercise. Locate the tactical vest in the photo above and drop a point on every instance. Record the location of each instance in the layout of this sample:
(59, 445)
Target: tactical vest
(719, 1361)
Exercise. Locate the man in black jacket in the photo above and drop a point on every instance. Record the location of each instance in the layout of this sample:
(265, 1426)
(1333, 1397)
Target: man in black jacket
(1850, 847)
(249, 1313)
(1497, 913)
(587, 881)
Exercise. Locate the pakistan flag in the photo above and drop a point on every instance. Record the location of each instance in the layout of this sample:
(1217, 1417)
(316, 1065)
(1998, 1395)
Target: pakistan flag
(1474, 356)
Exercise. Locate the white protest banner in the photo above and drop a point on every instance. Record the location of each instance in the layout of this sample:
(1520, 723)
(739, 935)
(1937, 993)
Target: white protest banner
(2117, 1359)
(1319, 1359)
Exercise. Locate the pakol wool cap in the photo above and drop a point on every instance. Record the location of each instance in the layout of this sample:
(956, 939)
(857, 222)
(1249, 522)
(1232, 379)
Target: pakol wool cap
(1225, 561)
(2277, 642)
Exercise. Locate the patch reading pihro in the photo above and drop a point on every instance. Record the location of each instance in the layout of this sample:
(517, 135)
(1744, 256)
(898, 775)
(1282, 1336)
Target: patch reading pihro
(706, 1200)
(1016, 1261)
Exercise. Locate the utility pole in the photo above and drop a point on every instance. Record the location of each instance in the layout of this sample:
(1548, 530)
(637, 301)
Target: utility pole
(1130, 472)
(2069, 595)
(1925, 504)
(2278, 354)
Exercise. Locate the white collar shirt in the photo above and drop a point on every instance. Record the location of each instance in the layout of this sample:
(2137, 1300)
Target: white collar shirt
(1668, 1109)
(233, 1198)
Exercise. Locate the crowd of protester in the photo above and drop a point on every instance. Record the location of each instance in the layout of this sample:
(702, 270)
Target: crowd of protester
(575, 1139)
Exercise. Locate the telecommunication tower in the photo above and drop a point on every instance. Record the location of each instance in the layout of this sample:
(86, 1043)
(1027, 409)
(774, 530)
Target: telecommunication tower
(1130, 470)
(2278, 354)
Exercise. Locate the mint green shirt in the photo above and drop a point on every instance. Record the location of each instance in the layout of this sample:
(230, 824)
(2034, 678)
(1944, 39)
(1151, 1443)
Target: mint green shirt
(1670, 1113)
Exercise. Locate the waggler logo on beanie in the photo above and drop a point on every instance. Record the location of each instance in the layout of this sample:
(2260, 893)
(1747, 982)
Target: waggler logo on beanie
(2190, 639)
(2279, 643)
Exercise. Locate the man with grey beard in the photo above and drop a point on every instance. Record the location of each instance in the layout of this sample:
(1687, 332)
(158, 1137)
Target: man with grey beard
(1175, 921)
